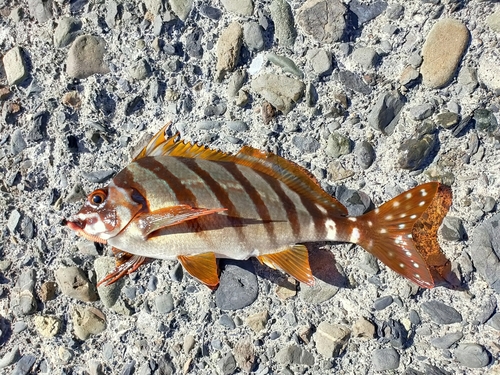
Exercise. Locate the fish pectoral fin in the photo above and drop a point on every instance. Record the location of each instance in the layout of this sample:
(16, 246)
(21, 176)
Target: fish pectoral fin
(125, 263)
(150, 222)
(202, 267)
(294, 261)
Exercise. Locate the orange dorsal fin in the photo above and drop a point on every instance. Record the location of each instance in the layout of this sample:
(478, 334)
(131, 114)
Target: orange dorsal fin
(294, 176)
(402, 233)
(202, 267)
(294, 261)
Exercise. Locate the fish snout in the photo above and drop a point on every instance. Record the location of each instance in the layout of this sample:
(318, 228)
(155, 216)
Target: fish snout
(74, 224)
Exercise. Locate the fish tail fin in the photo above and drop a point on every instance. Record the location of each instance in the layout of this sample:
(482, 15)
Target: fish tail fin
(402, 233)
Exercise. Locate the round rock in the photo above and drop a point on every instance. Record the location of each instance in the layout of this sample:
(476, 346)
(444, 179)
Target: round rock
(385, 359)
(238, 286)
(86, 57)
(472, 355)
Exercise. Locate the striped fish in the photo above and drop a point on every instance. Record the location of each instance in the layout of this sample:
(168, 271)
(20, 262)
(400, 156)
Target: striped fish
(183, 201)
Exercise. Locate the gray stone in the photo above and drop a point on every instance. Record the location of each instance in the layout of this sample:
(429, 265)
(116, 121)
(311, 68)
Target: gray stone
(241, 7)
(194, 47)
(493, 21)
(236, 81)
(284, 28)
(17, 142)
(365, 57)
(157, 25)
(164, 303)
(421, 111)
(281, 91)
(227, 364)
(210, 12)
(321, 61)
(293, 354)
(440, 313)
(109, 294)
(494, 321)
(352, 81)
(365, 154)
(330, 339)
(238, 286)
(453, 229)
(111, 13)
(382, 302)
(24, 365)
(66, 31)
(13, 222)
(15, 66)
(73, 282)
(369, 264)
(252, 35)
(97, 177)
(140, 70)
(447, 120)
(208, 125)
(226, 321)
(306, 145)
(385, 113)
(257, 322)
(472, 355)
(228, 49)
(23, 300)
(442, 52)
(181, 8)
(237, 126)
(485, 120)
(244, 353)
(488, 71)
(363, 328)
(385, 359)
(10, 357)
(87, 321)
(40, 9)
(366, 12)
(467, 79)
(285, 63)
(446, 341)
(86, 57)
(395, 11)
(356, 202)
(323, 20)
(415, 151)
(338, 145)
(188, 344)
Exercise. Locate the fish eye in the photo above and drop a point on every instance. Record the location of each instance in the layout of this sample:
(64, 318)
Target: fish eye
(97, 197)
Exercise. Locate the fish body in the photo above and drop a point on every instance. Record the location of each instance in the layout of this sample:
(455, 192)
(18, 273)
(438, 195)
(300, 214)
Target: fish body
(177, 200)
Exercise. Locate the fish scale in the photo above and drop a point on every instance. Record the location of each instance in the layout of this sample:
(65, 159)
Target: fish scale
(185, 201)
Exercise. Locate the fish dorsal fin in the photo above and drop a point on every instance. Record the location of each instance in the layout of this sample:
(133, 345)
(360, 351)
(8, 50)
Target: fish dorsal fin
(291, 174)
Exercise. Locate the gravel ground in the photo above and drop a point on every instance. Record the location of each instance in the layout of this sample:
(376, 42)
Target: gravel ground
(372, 97)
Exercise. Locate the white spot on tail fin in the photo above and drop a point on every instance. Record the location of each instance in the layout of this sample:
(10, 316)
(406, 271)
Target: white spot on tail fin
(401, 226)
(383, 230)
(421, 203)
(355, 235)
(423, 192)
(409, 195)
(377, 210)
(370, 223)
(353, 219)
(389, 217)
(413, 217)
(401, 265)
(396, 204)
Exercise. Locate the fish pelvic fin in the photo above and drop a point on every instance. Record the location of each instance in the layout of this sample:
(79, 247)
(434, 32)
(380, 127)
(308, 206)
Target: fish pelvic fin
(402, 233)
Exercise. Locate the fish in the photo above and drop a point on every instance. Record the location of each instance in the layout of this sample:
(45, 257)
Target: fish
(185, 201)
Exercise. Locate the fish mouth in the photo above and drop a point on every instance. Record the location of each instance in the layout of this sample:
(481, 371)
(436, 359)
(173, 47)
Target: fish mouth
(78, 226)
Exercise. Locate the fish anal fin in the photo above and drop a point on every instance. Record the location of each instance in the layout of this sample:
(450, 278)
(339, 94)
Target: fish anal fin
(202, 267)
(402, 233)
(294, 261)
(149, 222)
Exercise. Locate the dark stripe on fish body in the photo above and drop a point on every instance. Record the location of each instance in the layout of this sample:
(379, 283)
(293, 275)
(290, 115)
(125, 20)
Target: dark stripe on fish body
(221, 194)
(288, 205)
(316, 214)
(181, 191)
(254, 195)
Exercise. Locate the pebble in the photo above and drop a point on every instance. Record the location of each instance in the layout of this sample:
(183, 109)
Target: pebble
(257, 322)
(472, 355)
(365, 57)
(285, 63)
(194, 44)
(164, 303)
(252, 35)
(208, 125)
(382, 302)
(421, 111)
(493, 21)
(181, 8)
(226, 321)
(484, 250)
(86, 57)
(227, 364)
(415, 151)
(210, 12)
(447, 120)
(446, 341)
(23, 301)
(286, 288)
(338, 145)
(453, 229)
(440, 313)
(324, 20)
(15, 66)
(228, 50)
(319, 292)
(13, 221)
(321, 61)
(189, 342)
(47, 326)
(10, 357)
(24, 365)
(237, 126)
(109, 294)
(140, 70)
(236, 82)
(294, 354)
(467, 79)
(87, 321)
(356, 202)
(488, 71)
(485, 120)
(384, 115)
(17, 142)
(494, 321)
(385, 359)
(408, 76)
(367, 12)
(306, 145)
(98, 177)
(442, 52)
(284, 26)
(363, 328)
(244, 354)
(330, 339)
(365, 154)
(238, 286)
(241, 7)
(73, 282)
(369, 264)
(68, 28)
(281, 91)
(41, 10)
(353, 81)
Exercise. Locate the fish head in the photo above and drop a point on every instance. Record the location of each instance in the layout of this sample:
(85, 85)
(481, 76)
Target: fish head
(105, 213)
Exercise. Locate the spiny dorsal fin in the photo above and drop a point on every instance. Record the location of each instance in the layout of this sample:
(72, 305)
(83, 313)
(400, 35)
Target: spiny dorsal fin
(294, 176)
